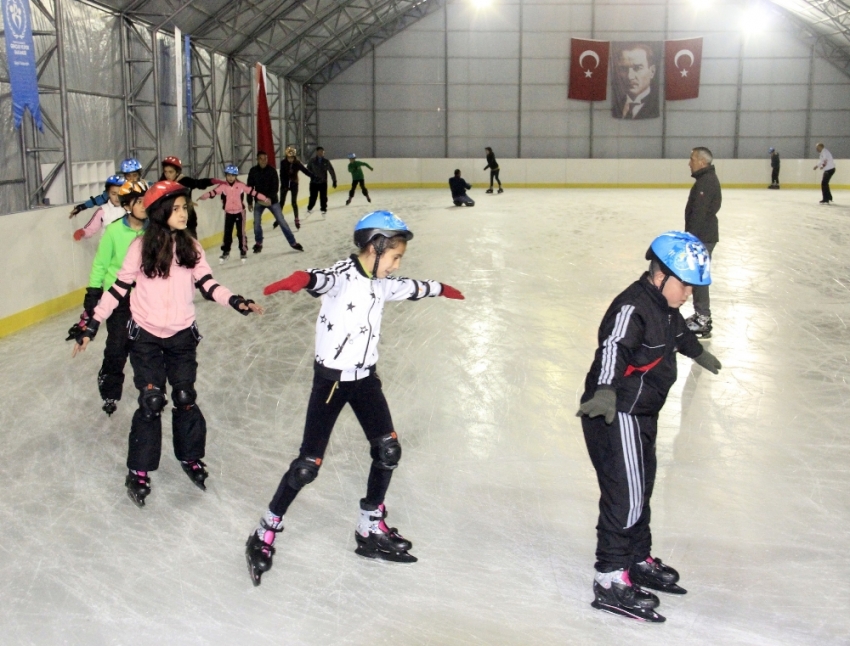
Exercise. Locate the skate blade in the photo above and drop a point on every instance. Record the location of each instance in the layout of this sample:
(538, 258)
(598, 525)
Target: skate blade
(395, 557)
(138, 500)
(253, 572)
(669, 588)
(632, 613)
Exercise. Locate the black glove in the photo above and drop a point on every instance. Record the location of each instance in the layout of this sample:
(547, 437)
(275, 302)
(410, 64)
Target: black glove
(708, 361)
(87, 329)
(77, 209)
(334, 184)
(250, 202)
(91, 299)
(236, 300)
(603, 402)
(78, 327)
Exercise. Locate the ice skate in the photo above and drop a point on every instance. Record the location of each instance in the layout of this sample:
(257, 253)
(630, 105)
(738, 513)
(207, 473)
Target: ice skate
(223, 258)
(297, 223)
(259, 553)
(196, 472)
(621, 597)
(501, 190)
(489, 190)
(243, 258)
(375, 540)
(309, 212)
(700, 324)
(324, 212)
(369, 199)
(297, 246)
(275, 224)
(109, 406)
(258, 248)
(138, 487)
(348, 201)
(653, 574)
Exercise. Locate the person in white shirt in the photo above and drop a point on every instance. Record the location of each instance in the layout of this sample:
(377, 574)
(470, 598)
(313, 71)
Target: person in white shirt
(827, 164)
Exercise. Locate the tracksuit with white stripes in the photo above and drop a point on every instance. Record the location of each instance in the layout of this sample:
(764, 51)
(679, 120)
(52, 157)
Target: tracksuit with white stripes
(638, 340)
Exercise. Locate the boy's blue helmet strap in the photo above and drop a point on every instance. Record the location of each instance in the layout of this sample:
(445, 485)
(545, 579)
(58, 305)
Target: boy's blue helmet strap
(682, 255)
(376, 228)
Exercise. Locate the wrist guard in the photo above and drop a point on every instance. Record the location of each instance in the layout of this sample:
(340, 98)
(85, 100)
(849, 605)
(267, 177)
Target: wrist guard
(236, 300)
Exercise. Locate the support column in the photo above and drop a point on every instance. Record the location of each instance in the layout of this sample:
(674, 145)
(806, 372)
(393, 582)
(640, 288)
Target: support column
(519, 90)
(810, 102)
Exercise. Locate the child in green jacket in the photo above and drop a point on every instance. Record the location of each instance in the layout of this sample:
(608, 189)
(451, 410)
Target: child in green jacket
(354, 167)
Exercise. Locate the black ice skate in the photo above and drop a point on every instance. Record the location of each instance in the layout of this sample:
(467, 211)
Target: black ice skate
(375, 540)
(259, 554)
(275, 224)
(223, 258)
(297, 223)
(501, 190)
(109, 406)
(624, 598)
(489, 190)
(258, 248)
(653, 574)
(700, 324)
(138, 487)
(196, 472)
(348, 201)
(297, 246)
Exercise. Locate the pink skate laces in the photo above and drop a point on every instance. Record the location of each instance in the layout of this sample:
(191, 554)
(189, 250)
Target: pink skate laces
(381, 524)
(269, 526)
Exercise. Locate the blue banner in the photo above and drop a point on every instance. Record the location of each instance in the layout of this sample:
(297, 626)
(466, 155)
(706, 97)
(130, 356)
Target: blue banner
(187, 77)
(20, 54)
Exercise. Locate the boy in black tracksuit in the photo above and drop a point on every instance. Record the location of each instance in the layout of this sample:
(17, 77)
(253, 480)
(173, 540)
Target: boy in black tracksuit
(625, 389)
(320, 166)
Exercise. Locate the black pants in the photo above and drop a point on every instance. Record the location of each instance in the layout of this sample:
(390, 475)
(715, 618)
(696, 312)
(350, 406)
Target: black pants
(319, 190)
(623, 455)
(494, 174)
(354, 184)
(231, 220)
(293, 191)
(326, 402)
(702, 300)
(824, 185)
(110, 379)
(154, 360)
(774, 175)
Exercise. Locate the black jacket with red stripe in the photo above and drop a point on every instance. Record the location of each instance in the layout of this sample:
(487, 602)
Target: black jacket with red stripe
(638, 340)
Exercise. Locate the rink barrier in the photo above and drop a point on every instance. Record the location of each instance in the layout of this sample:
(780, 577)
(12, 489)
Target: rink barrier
(46, 270)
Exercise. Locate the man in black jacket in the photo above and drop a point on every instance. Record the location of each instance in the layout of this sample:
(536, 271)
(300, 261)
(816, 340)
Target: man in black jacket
(264, 179)
(774, 168)
(625, 389)
(701, 220)
(320, 167)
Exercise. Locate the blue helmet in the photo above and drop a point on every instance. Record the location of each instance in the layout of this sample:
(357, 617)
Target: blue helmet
(379, 223)
(771, 150)
(682, 255)
(352, 156)
(231, 169)
(115, 180)
(131, 165)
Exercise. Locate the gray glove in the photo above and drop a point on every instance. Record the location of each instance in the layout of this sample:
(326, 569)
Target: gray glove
(708, 361)
(603, 402)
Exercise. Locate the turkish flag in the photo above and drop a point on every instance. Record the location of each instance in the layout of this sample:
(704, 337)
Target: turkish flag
(265, 141)
(682, 62)
(588, 69)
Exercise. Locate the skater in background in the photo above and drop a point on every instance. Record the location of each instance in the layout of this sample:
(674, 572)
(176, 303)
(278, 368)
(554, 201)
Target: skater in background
(493, 165)
(263, 178)
(355, 167)
(131, 169)
(106, 214)
(320, 166)
(701, 210)
(459, 187)
(353, 293)
(232, 194)
(172, 170)
(634, 368)
(774, 168)
(166, 265)
(827, 164)
(108, 260)
(290, 166)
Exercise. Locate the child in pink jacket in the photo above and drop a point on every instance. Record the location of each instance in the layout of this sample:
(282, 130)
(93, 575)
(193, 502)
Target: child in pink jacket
(232, 196)
(163, 267)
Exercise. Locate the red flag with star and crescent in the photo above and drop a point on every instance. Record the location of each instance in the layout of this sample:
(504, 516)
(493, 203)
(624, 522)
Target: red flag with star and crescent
(682, 62)
(588, 69)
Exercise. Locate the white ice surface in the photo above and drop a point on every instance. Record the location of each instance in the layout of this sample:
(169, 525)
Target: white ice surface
(495, 488)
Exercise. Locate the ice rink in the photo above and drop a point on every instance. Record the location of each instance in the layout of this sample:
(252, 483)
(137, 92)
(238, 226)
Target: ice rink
(495, 488)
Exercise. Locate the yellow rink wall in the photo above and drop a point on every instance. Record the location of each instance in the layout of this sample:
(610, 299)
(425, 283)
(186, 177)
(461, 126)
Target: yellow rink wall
(45, 271)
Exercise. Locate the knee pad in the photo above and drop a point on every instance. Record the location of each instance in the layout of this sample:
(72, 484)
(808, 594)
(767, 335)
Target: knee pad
(389, 452)
(184, 396)
(303, 471)
(152, 401)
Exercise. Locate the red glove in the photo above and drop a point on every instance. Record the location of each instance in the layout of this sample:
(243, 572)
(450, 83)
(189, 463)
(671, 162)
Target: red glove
(295, 282)
(79, 234)
(451, 292)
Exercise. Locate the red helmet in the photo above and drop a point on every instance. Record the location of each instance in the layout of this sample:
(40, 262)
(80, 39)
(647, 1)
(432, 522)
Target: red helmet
(171, 160)
(162, 190)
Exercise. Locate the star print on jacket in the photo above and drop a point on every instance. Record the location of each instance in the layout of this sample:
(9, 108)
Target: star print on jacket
(355, 305)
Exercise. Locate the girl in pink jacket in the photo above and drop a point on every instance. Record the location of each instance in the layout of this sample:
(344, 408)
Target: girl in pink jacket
(164, 267)
(232, 196)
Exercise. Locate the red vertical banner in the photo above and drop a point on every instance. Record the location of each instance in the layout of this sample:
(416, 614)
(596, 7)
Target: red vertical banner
(265, 141)
(682, 63)
(588, 69)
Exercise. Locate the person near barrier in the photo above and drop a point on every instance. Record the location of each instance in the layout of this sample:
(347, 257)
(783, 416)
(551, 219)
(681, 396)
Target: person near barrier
(493, 165)
(459, 187)
(774, 167)
(290, 166)
(106, 214)
(320, 166)
(827, 164)
(131, 170)
(264, 178)
(164, 267)
(625, 389)
(110, 255)
(355, 167)
(172, 170)
(353, 293)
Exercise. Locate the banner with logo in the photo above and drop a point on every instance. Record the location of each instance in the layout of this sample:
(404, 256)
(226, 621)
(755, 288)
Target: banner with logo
(20, 54)
(187, 52)
(588, 69)
(682, 63)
